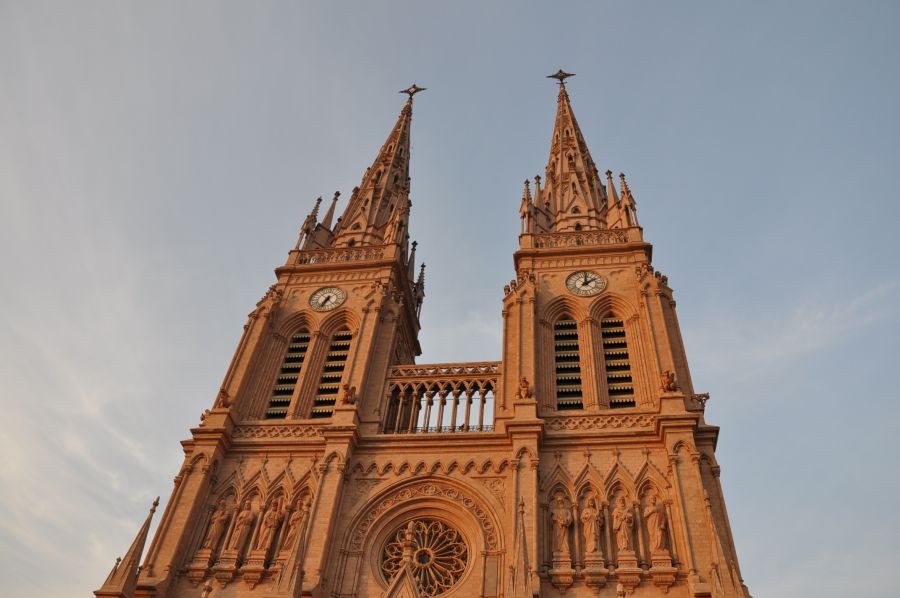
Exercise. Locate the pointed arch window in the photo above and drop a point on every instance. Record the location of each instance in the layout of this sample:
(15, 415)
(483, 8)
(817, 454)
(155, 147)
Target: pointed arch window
(286, 382)
(619, 381)
(332, 372)
(567, 359)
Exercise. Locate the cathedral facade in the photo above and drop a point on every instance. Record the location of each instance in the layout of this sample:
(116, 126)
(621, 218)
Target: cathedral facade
(332, 465)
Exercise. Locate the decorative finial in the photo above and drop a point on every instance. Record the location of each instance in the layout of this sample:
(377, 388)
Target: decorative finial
(155, 504)
(609, 174)
(560, 76)
(412, 90)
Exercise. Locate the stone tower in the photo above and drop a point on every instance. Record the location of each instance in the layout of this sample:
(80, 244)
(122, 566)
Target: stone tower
(332, 465)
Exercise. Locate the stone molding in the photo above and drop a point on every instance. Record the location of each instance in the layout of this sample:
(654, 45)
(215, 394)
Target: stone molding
(599, 422)
(475, 368)
(330, 256)
(574, 239)
(420, 491)
(277, 431)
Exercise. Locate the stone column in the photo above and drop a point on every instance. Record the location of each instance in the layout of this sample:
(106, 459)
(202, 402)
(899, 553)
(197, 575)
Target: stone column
(327, 503)
(401, 405)
(456, 393)
(429, 401)
(442, 401)
(483, 396)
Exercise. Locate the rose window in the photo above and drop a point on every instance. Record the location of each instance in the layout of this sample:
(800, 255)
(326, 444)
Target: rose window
(439, 555)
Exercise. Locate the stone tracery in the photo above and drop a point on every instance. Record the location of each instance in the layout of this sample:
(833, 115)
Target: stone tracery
(439, 557)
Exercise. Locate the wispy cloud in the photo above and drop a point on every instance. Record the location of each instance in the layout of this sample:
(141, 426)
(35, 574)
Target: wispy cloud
(741, 344)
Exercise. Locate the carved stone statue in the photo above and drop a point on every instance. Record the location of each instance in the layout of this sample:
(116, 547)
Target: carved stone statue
(590, 523)
(294, 524)
(667, 381)
(623, 523)
(348, 396)
(561, 518)
(216, 526)
(223, 400)
(525, 392)
(269, 524)
(241, 527)
(655, 516)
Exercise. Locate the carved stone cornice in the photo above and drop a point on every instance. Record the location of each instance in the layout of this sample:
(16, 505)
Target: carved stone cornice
(274, 431)
(330, 256)
(600, 422)
(582, 238)
(476, 369)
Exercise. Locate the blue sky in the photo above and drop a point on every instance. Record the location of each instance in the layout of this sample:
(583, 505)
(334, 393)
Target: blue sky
(156, 160)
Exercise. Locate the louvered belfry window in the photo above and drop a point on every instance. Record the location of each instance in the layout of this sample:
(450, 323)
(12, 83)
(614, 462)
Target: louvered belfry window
(618, 363)
(286, 381)
(567, 358)
(332, 370)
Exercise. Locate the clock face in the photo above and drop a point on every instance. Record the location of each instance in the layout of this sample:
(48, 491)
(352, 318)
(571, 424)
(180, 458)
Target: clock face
(585, 283)
(327, 298)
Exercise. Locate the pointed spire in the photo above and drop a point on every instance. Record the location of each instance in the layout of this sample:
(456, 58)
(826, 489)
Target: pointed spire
(411, 262)
(420, 290)
(526, 199)
(614, 205)
(626, 192)
(526, 210)
(385, 184)
(329, 215)
(313, 215)
(611, 190)
(309, 224)
(520, 570)
(122, 580)
(573, 188)
(629, 205)
(420, 282)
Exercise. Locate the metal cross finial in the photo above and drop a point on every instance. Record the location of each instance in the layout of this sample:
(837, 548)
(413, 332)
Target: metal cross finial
(412, 90)
(560, 76)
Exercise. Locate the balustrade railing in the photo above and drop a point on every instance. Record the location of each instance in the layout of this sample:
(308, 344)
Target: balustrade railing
(446, 429)
(596, 237)
(442, 398)
(330, 256)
